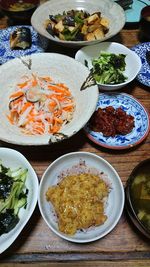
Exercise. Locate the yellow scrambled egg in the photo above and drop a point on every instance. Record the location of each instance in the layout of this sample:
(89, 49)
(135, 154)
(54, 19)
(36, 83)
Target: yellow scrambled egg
(78, 201)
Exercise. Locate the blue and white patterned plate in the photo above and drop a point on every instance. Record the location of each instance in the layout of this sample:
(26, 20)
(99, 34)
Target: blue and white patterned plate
(38, 44)
(132, 107)
(144, 74)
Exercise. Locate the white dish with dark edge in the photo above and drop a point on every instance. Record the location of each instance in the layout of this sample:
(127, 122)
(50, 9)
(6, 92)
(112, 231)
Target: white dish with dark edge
(61, 69)
(115, 202)
(13, 159)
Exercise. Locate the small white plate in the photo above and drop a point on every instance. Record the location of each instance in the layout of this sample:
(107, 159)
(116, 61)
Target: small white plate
(115, 202)
(14, 159)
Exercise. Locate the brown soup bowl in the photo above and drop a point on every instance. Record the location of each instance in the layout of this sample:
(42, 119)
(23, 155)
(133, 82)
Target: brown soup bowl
(138, 197)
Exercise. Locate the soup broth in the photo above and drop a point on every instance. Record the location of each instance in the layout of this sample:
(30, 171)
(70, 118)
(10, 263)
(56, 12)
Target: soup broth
(140, 196)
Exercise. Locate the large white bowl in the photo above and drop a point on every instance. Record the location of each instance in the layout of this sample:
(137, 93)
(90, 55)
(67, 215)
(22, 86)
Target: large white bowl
(14, 159)
(132, 60)
(62, 69)
(114, 206)
(108, 8)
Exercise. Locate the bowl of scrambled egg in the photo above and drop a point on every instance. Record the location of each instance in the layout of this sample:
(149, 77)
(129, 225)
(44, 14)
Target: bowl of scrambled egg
(81, 197)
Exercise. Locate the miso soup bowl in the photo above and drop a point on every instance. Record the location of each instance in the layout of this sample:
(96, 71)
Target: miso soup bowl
(21, 13)
(131, 207)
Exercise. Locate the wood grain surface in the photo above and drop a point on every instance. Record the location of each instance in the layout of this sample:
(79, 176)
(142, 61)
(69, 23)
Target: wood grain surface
(38, 245)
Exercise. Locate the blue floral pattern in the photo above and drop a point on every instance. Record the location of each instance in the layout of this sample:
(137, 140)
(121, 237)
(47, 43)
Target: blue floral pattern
(38, 45)
(144, 74)
(131, 106)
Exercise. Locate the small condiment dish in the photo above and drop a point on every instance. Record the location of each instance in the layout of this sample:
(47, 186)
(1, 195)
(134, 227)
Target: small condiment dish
(138, 197)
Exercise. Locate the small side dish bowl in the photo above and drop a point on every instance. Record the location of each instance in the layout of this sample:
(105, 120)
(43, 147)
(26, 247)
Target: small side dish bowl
(132, 61)
(14, 160)
(21, 10)
(138, 197)
(82, 162)
(108, 9)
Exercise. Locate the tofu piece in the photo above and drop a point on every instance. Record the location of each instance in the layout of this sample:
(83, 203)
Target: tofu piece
(84, 29)
(92, 19)
(98, 34)
(89, 37)
(104, 22)
(71, 28)
(59, 27)
(93, 27)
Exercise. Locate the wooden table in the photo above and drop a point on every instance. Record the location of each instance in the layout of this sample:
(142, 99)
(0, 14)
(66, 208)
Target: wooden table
(124, 245)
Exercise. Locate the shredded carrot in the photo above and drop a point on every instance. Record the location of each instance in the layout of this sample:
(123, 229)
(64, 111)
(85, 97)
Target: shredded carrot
(16, 94)
(40, 106)
(22, 85)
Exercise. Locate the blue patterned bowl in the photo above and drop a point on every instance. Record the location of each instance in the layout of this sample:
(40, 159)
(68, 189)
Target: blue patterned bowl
(144, 74)
(39, 44)
(131, 106)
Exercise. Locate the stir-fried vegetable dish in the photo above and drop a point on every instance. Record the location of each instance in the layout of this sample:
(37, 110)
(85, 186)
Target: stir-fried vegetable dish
(108, 68)
(13, 196)
(75, 25)
(40, 106)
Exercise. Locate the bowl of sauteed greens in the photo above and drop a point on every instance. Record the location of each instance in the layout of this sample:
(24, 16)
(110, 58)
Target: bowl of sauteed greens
(112, 65)
(78, 23)
(138, 197)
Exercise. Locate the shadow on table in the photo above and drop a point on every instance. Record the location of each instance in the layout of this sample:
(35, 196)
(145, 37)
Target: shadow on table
(52, 151)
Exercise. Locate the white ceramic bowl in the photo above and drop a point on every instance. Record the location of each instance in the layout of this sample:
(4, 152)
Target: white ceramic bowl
(133, 61)
(115, 202)
(62, 69)
(14, 159)
(108, 8)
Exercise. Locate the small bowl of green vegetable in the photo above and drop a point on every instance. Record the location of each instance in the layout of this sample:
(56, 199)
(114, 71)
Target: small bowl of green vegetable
(138, 197)
(112, 65)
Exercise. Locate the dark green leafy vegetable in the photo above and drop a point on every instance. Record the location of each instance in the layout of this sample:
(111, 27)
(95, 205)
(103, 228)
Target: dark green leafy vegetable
(108, 68)
(13, 196)
(8, 221)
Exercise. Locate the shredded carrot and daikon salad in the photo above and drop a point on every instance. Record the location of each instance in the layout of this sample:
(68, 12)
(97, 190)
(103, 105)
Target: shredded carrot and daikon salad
(40, 106)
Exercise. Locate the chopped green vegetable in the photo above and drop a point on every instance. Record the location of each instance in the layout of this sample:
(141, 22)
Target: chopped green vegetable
(108, 68)
(13, 196)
